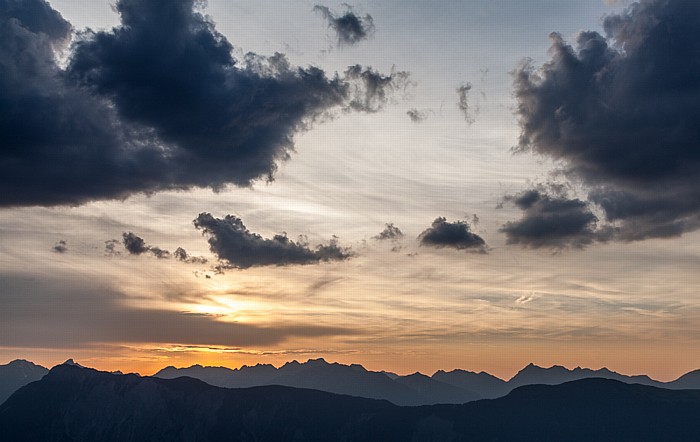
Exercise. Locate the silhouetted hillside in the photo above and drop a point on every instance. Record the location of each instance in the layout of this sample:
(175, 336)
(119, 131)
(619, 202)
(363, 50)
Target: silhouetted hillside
(434, 391)
(17, 374)
(73, 403)
(688, 381)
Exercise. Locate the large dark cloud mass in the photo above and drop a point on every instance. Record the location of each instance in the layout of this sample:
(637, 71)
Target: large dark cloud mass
(457, 235)
(622, 113)
(156, 103)
(551, 221)
(349, 27)
(237, 247)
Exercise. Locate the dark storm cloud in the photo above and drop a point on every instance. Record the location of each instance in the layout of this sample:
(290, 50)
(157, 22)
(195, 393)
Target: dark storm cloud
(622, 113)
(60, 247)
(156, 103)
(456, 235)
(237, 247)
(95, 315)
(552, 221)
(135, 245)
(349, 27)
(182, 255)
(390, 232)
(58, 141)
(37, 17)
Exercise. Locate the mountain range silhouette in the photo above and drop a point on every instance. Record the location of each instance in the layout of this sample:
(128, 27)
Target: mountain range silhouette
(73, 403)
(453, 387)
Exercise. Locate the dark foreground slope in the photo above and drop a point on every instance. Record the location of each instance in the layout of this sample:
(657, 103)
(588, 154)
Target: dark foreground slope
(78, 404)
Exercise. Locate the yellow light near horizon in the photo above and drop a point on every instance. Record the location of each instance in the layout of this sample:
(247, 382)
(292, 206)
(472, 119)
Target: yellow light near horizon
(227, 307)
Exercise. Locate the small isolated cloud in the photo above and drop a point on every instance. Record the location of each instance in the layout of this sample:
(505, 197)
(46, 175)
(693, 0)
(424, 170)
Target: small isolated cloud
(181, 255)
(418, 116)
(456, 235)
(369, 91)
(160, 253)
(156, 103)
(111, 247)
(60, 247)
(524, 299)
(463, 103)
(349, 27)
(135, 245)
(237, 247)
(390, 233)
(621, 112)
(552, 221)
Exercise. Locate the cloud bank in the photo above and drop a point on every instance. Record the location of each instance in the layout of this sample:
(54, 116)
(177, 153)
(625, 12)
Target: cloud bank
(91, 314)
(621, 112)
(156, 103)
(237, 247)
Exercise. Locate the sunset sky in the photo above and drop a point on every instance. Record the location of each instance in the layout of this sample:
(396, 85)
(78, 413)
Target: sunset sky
(407, 185)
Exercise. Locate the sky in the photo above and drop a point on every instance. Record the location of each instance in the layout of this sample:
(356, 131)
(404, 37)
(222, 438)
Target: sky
(404, 185)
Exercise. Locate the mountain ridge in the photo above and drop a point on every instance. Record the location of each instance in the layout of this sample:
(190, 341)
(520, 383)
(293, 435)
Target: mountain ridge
(16, 374)
(468, 385)
(452, 387)
(74, 403)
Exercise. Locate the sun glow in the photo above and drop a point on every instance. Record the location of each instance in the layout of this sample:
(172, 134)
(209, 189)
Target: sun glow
(229, 308)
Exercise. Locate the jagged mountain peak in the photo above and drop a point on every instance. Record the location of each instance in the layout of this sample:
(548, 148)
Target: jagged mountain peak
(70, 361)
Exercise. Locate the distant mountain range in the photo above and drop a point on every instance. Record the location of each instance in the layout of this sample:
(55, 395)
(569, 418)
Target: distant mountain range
(72, 403)
(453, 387)
(317, 374)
